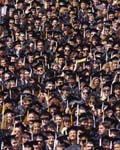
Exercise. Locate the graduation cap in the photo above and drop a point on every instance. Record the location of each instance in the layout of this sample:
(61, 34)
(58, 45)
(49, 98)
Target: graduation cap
(20, 125)
(40, 137)
(63, 140)
(83, 117)
(28, 144)
(72, 128)
(54, 106)
(66, 87)
(9, 100)
(116, 141)
(84, 1)
(107, 84)
(45, 115)
(50, 133)
(63, 3)
(116, 85)
(19, 118)
(32, 111)
(9, 111)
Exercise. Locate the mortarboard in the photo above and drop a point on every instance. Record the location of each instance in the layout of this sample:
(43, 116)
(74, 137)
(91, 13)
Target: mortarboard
(83, 117)
(107, 84)
(72, 128)
(50, 133)
(8, 100)
(7, 139)
(65, 87)
(63, 3)
(63, 140)
(20, 125)
(28, 144)
(84, 1)
(40, 137)
(45, 115)
(19, 118)
(9, 111)
(32, 111)
(116, 85)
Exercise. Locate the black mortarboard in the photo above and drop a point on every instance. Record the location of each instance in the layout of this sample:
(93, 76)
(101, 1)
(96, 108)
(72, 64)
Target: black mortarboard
(40, 137)
(33, 111)
(19, 118)
(63, 3)
(83, 117)
(84, 1)
(9, 111)
(50, 133)
(116, 85)
(63, 140)
(107, 84)
(7, 139)
(72, 128)
(45, 115)
(54, 106)
(116, 141)
(28, 144)
(20, 125)
(9, 100)
(99, 20)
(66, 87)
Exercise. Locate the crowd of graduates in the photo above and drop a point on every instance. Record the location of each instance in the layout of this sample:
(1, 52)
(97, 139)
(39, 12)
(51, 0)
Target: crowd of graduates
(60, 74)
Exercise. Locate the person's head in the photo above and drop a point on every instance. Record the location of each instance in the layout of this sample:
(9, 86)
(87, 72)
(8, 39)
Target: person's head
(40, 45)
(106, 90)
(116, 145)
(51, 138)
(22, 36)
(85, 93)
(25, 137)
(36, 127)
(72, 133)
(101, 128)
(58, 119)
(90, 145)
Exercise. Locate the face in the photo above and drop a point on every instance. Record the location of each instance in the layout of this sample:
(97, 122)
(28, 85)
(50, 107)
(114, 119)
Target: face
(85, 94)
(36, 128)
(31, 117)
(90, 124)
(72, 135)
(90, 146)
(25, 138)
(117, 111)
(49, 86)
(9, 118)
(40, 46)
(22, 37)
(40, 70)
(14, 144)
(116, 146)
(117, 91)
(58, 120)
(106, 91)
(17, 131)
(50, 140)
(101, 129)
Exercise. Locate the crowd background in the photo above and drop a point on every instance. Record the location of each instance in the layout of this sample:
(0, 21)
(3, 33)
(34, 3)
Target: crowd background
(60, 74)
